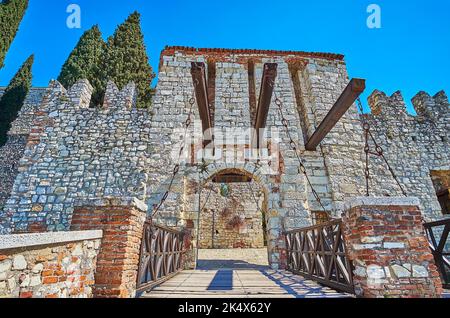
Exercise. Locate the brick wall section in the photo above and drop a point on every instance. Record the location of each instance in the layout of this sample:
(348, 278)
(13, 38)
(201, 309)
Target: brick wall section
(52, 271)
(118, 258)
(387, 244)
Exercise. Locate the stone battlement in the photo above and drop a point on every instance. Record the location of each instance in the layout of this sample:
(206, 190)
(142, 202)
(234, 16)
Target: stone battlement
(416, 145)
(79, 96)
(393, 107)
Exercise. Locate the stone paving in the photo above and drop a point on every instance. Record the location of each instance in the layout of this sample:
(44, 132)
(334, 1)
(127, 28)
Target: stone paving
(239, 273)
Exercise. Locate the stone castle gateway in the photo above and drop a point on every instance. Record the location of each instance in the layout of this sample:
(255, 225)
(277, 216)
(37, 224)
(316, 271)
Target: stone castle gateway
(66, 155)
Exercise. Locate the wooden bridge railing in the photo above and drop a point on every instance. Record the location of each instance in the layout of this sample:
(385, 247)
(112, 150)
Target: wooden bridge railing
(438, 235)
(161, 256)
(318, 253)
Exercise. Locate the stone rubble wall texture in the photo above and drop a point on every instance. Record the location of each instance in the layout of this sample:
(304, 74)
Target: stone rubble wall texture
(52, 271)
(416, 146)
(390, 252)
(233, 221)
(13, 150)
(75, 153)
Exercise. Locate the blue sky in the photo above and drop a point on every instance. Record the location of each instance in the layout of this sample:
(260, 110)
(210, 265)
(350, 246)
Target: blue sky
(411, 52)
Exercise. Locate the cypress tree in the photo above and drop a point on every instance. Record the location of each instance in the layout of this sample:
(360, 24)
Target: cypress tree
(126, 59)
(11, 14)
(85, 63)
(13, 98)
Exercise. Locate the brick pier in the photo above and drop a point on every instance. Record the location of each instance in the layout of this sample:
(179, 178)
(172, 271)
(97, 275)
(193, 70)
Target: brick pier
(387, 244)
(118, 259)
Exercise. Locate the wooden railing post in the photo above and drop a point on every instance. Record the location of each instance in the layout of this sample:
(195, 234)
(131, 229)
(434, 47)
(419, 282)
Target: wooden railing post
(438, 236)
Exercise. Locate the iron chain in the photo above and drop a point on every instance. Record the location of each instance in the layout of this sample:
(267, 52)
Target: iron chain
(379, 152)
(293, 145)
(176, 169)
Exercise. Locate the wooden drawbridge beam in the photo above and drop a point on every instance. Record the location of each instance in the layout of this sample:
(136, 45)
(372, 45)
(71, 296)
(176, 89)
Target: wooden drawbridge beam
(351, 93)
(265, 97)
(198, 72)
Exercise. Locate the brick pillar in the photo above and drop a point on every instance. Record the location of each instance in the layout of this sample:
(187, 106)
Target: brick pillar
(387, 244)
(118, 259)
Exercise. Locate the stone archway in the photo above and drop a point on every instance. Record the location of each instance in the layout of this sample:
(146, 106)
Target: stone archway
(234, 212)
(232, 225)
(238, 232)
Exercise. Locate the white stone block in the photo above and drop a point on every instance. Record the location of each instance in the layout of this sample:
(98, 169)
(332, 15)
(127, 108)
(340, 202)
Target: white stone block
(375, 272)
(19, 262)
(393, 245)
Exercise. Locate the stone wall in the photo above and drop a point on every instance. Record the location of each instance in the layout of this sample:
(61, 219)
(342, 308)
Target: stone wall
(415, 146)
(10, 155)
(75, 154)
(22, 125)
(386, 242)
(233, 220)
(13, 150)
(48, 265)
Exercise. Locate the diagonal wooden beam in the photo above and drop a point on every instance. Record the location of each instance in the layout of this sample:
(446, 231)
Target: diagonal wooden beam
(198, 72)
(353, 90)
(265, 97)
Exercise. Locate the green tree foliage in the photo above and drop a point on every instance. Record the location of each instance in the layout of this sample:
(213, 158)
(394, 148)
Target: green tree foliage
(126, 59)
(11, 14)
(13, 98)
(85, 62)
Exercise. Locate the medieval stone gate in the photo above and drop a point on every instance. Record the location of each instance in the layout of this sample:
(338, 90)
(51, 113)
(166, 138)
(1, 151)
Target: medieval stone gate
(78, 159)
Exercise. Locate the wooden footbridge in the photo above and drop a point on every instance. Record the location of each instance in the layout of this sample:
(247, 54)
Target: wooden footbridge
(238, 273)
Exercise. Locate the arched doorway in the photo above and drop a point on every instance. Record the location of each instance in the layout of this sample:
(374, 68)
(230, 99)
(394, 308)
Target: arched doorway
(232, 230)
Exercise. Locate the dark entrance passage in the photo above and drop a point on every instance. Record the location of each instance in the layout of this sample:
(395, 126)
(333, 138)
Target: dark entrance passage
(441, 182)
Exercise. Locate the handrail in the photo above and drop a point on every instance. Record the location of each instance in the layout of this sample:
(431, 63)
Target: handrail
(437, 223)
(314, 227)
(439, 244)
(318, 253)
(161, 256)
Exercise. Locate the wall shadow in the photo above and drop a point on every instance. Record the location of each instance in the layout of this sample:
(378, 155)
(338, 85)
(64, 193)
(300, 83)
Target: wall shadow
(228, 264)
